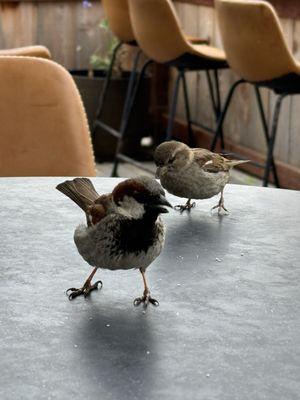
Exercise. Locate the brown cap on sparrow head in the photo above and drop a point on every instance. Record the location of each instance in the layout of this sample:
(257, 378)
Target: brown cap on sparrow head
(192, 173)
(123, 230)
(141, 195)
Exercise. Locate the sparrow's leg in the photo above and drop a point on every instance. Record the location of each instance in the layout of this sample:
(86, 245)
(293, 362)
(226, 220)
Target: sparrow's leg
(86, 288)
(186, 207)
(220, 205)
(146, 298)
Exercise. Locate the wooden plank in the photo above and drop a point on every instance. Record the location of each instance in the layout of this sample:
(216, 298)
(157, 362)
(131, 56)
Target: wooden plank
(18, 24)
(243, 124)
(204, 113)
(77, 34)
(47, 17)
(190, 27)
(68, 43)
(180, 112)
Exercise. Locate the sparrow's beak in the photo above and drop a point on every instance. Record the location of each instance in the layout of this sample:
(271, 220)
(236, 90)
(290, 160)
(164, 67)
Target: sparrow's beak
(159, 204)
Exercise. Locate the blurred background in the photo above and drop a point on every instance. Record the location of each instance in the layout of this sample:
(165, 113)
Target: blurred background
(79, 38)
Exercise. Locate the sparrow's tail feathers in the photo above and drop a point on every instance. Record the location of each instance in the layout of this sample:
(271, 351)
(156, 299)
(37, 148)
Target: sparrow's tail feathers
(80, 190)
(233, 163)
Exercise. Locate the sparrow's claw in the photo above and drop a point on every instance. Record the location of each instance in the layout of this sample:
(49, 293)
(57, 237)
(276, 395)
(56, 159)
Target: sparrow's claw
(220, 207)
(145, 299)
(185, 207)
(85, 290)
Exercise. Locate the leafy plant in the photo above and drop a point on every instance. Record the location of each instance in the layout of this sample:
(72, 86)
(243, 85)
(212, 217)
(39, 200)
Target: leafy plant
(101, 59)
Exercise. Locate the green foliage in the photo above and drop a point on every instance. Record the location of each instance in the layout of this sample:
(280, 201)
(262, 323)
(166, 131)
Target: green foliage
(101, 60)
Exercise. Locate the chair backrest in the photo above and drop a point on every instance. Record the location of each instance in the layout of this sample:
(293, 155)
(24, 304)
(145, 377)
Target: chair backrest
(29, 51)
(44, 129)
(157, 29)
(253, 40)
(117, 14)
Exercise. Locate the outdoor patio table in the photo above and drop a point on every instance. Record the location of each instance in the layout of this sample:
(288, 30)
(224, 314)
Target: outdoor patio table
(228, 322)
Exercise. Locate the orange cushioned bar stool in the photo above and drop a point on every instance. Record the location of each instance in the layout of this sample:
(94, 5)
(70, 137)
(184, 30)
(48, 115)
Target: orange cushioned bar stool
(117, 14)
(158, 33)
(257, 50)
(44, 129)
(27, 51)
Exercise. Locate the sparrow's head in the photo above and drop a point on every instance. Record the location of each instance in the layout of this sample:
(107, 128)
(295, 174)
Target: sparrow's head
(172, 157)
(140, 196)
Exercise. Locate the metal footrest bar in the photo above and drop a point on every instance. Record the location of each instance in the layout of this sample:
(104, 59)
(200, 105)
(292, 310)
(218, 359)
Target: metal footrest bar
(108, 129)
(130, 160)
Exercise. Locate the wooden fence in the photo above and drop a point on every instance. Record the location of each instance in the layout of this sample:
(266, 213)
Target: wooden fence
(70, 31)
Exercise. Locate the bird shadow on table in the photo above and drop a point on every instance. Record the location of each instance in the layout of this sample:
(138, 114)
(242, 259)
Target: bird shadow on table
(205, 230)
(117, 351)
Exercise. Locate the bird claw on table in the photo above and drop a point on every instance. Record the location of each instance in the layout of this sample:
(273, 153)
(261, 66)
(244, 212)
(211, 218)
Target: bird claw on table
(185, 207)
(220, 207)
(145, 299)
(85, 290)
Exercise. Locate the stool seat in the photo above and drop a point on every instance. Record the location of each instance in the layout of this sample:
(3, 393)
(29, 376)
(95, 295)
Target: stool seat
(201, 58)
(158, 32)
(196, 40)
(210, 52)
(289, 83)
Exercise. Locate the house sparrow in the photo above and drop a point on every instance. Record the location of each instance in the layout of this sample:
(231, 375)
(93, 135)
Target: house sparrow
(192, 173)
(123, 230)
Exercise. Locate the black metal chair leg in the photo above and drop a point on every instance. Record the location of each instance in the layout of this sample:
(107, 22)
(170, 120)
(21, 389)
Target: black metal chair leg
(266, 132)
(187, 110)
(215, 100)
(272, 138)
(211, 90)
(223, 113)
(130, 87)
(219, 106)
(105, 88)
(173, 107)
(127, 111)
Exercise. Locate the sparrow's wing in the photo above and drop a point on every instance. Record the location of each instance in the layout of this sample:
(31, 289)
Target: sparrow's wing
(214, 162)
(102, 206)
(210, 162)
(80, 190)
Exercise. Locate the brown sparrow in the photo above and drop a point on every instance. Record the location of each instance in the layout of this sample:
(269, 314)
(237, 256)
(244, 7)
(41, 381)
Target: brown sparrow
(123, 230)
(192, 173)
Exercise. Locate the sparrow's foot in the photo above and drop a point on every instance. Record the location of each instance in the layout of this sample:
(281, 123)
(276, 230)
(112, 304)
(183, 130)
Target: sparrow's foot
(220, 206)
(145, 299)
(85, 290)
(186, 207)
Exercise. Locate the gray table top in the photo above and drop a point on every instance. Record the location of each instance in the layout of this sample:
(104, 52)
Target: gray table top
(228, 322)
